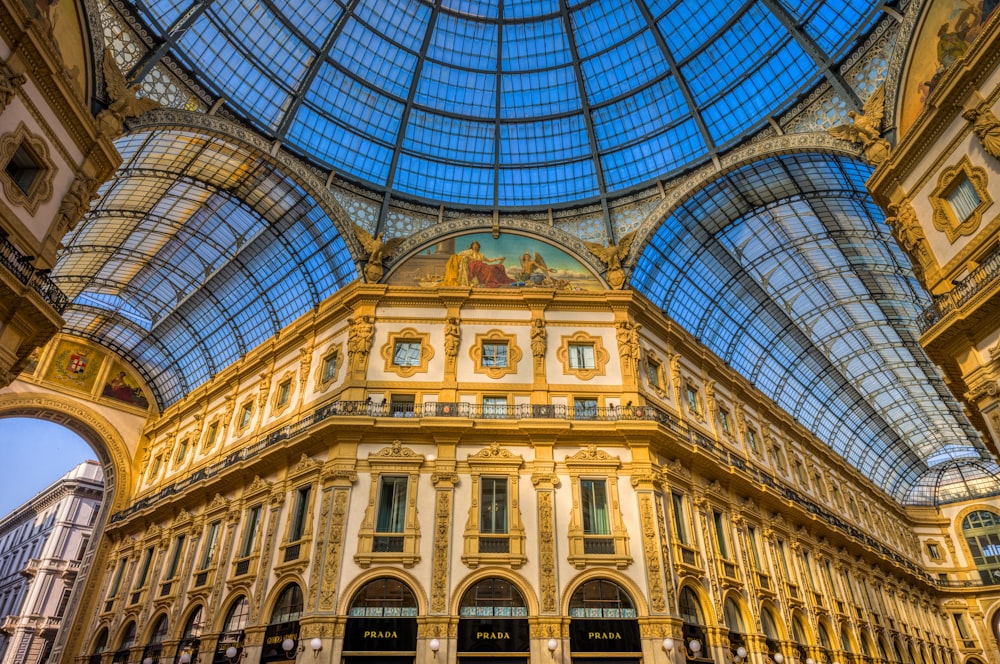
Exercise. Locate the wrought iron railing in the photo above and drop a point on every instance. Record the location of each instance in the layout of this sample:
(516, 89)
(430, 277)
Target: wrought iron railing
(17, 264)
(987, 273)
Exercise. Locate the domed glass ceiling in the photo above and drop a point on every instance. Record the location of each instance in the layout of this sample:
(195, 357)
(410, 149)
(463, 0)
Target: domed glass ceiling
(508, 103)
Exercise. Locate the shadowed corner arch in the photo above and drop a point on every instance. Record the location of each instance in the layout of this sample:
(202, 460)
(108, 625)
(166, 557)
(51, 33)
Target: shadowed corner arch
(119, 467)
(636, 594)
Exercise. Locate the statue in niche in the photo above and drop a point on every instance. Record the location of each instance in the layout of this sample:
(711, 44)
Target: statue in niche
(538, 339)
(864, 129)
(76, 202)
(986, 127)
(359, 339)
(612, 256)
(452, 337)
(378, 250)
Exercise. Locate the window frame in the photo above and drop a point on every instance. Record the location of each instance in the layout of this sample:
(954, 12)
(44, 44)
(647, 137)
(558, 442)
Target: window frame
(944, 217)
(407, 336)
(582, 339)
(592, 463)
(479, 547)
(393, 461)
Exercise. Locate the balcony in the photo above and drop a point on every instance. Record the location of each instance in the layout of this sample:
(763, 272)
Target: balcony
(978, 281)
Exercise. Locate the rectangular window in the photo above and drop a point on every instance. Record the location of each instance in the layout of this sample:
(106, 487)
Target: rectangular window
(391, 516)
(783, 559)
(755, 550)
(752, 441)
(594, 504)
(694, 405)
(934, 552)
(245, 413)
(963, 198)
(250, 532)
(800, 472)
(154, 469)
(493, 505)
(211, 539)
(584, 408)
(581, 356)
(83, 547)
(175, 557)
(406, 354)
(779, 461)
(63, 603)
(213, 432)
(724, 422)
(807, 565)
(653, 373)
(298, 525)
(720, 534)
(494, 406)
(284, 392)
(147, 557)
(495, 354)
(182, 451)
(680, 523)
(329, 370)
(119, 574)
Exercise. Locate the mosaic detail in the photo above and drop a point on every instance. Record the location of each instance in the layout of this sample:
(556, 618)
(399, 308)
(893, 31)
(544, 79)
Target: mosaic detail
(361, 211)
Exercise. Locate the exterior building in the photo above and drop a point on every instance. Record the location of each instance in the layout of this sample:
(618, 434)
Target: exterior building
(514, 332)
(42, 544)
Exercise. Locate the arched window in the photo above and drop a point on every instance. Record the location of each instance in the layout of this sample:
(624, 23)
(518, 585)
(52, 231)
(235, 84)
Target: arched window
(601, 599)
(159, 633)
(194, 625)
(770, 627)
(799, 637)
(385, 597)
(603, 624)
(238, 615)
(493, 597)
(126, 641)
(733, 618)
(100, 644)
(845, 640)
(289, 605)
(695, 638)
(824, 637)
(982, 533)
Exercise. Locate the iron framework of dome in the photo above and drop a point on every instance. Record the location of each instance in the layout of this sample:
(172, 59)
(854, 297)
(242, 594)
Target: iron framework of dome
(507, 103)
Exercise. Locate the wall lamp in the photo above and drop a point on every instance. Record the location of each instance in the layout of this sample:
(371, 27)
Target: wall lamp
(552, 645)
(668, 645)
(694, 646)
(234, 654)
(288, 645)
(185, 657)
(434, 645)
(316, 645)
(778, 658)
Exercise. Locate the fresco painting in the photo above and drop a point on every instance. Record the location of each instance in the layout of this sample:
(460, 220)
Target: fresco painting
(61, 22)
(75, 366)
(122, 387)
(481, 261)
(946, 35)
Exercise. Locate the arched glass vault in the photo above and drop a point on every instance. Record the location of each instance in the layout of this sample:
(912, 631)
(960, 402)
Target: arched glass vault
(198, 251)
(507, 103)
(785, 269)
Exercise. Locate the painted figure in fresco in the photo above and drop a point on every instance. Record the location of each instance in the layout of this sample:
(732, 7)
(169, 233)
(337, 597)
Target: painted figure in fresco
(470, 267)
(533, 269)
(118, 388)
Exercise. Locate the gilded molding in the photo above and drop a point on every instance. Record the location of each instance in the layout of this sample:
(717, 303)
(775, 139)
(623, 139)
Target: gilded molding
(654, 568)
(546, 550)
(944, 217)
(407, 335)
(439, 565)
(601, 356)
(40, 188)
(333, 551)
(513, 353)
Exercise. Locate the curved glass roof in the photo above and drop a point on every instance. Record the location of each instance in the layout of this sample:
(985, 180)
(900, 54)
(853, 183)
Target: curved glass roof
(197, 252)
(785, 269)
(955, 481)
(507, 103)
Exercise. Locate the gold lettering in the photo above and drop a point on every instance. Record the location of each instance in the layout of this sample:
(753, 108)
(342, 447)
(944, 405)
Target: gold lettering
(482, 636)
(597, 636)
(377, 634)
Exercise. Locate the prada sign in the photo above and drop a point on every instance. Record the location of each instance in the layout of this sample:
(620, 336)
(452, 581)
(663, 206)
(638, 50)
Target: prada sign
(604, 635)
(493, 635)
(385, 634)
(274, 636)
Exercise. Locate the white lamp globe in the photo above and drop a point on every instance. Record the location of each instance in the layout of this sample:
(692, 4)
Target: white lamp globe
(552, 645)
(287, 645)
(695, 646)
(778, 658)
(185, 658)
(316, 644)
(434, 645)
(668, 644)
(741, 652)
(230, 652)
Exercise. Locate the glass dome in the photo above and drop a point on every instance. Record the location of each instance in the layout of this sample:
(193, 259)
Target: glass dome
(955, 481)
(516, 103)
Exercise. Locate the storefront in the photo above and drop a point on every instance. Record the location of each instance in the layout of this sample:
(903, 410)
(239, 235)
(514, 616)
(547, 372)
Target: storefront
(603, 626)
(382, 624)
(281, 638)
(493, 624)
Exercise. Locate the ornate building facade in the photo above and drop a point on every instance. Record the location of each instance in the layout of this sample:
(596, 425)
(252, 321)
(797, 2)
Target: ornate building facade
(655, 389)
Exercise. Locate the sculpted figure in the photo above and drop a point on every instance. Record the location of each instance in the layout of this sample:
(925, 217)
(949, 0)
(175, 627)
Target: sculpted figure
(123, 99)
(538, 338)
(9, 84)
(865, 129)
(359, 339)
(76, 202)
(378, 250)
(986, 127)
(612, 256)
(452, 337)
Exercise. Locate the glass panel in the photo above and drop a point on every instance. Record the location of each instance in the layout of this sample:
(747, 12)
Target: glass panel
(391, 505)
(493, 505)
(581, 356)
(594, 505)
(963, 199)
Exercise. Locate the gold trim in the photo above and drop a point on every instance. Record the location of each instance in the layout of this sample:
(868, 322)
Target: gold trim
(335, 353)
(582, 338)
(407, 335)
(944, 217)
(514, 354)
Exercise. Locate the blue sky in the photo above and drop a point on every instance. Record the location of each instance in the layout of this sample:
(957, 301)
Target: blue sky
(35, 453)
